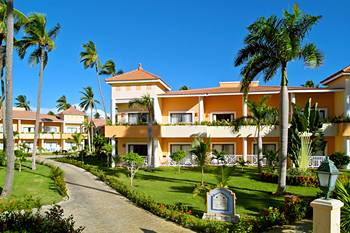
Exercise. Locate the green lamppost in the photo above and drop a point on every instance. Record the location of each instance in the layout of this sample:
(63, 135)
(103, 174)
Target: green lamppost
(327, 174)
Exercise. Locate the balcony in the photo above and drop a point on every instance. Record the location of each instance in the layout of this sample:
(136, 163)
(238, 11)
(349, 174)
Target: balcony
(130, 131)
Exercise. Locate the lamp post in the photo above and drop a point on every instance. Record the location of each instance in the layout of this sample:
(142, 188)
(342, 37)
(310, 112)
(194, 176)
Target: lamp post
(327, 174)
(326, 211)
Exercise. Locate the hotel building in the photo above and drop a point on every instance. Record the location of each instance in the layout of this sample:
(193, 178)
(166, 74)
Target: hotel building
(178, 114)
(55, 132)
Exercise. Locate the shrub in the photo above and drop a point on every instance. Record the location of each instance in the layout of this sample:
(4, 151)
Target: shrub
(26, 203)
(342, 193)
(57, 176)
(295, 209)
(177, 157)
(29, 222)
(339, 159)
(305, 179)
(2, 158)
(134, 162)
(270, 217)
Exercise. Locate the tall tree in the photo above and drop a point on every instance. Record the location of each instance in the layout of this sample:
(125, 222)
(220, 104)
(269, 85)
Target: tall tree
(309, 83)
(88, 101)
(89, 57)
(62, 103)
(41, 40)
(183, 88)
(262, 114)
(22, 102)
(270, 45)
(10, 164)
(146, 102)
(19, 20)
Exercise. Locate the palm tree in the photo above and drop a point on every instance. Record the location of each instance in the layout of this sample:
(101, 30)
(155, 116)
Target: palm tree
(146, 102)
(19, 20)
(183, 88)
(62, 104)
(42, 41)
(10, 164)
(97, 115)
(51, 113)
(77, 139)
(22, 102)
(270, 45)
(261, 115)
(309, 83)
(90, 59)
(201, 150)
(108, 68)
(88, 102)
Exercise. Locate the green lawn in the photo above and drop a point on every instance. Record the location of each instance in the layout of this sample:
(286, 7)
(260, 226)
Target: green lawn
(167, 186)
(37, 184)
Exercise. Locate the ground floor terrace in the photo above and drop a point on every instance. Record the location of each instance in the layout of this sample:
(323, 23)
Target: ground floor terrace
(45, 145)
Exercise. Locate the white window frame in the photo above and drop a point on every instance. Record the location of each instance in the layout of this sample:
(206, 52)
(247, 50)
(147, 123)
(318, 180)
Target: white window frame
(127, 114)
(213, 113)
(134, 143)
(267, 142)
(225, 143)
(171, 112)
(176, 143)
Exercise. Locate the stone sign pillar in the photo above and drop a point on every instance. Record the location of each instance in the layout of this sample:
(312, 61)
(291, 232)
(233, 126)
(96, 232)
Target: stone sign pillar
(221, 205)
(326, 215)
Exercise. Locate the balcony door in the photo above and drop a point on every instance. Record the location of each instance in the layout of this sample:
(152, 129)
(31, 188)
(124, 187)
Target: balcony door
(140, 149)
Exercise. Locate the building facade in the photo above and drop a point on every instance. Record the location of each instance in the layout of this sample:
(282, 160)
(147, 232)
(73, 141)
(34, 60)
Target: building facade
(181, 115)
(55, 131)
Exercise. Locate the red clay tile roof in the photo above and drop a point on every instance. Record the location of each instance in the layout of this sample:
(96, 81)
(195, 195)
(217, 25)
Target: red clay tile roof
(332, 77)
(223, 90)
(99, 122)
(29, 115)
(72, 111)
(134, 75)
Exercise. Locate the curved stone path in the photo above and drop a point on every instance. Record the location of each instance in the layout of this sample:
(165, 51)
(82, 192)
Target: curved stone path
(102, 210)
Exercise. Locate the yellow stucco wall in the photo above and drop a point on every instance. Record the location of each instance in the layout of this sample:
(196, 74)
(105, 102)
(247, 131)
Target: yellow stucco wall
(324, 100)
(184, 104)
(338, 103)
(222, 104)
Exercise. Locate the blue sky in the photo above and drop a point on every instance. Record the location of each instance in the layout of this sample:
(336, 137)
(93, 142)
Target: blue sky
(186, 42)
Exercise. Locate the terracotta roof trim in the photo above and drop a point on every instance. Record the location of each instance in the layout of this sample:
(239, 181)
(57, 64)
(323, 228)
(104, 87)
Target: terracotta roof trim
(336, 75)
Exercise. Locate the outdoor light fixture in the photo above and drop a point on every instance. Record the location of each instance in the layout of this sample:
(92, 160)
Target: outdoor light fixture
(327, 174)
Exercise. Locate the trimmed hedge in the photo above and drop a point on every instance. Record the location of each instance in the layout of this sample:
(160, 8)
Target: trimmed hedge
(57, 175)
(310, 181)
(184, 217)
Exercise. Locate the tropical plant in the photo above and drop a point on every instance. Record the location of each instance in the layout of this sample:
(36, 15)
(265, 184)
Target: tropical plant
(270, 45)
(223, 174)
(90, 59)
(21, 157)
(309, 83)
(38, 37)
(184, 87)
(305, 135)
(9, 142)
(262, 115)
(62, 104)
(340, 159)
(271, 157)
(134, 161)
(88, 101)
(51, 113)
(97, 115)
(78, 139)
(243, 163)
(342, 193)
(178, 156)
(86, 127)
(22, 102)
(201, 150)
(146, 102)
(107, 151)
(220, 157)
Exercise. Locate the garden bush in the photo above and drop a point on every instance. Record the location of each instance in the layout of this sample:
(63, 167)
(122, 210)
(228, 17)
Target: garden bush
(26, 203)
(26, 221)
(339, 159)
(181, 214)
(294, 179)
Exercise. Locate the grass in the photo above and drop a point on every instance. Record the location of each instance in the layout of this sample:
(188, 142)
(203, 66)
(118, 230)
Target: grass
(37, 184)
(167, 186)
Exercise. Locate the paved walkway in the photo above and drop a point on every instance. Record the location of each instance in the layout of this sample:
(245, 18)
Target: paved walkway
(102, 210)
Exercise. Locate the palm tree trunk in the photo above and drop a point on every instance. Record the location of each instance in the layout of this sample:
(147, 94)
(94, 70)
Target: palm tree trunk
(149, 145)
(202, 178)
(92, 131)
(37, 115)
(260, 148)
(3, 95)
(284, 107)
(10, 164)
(100, 90)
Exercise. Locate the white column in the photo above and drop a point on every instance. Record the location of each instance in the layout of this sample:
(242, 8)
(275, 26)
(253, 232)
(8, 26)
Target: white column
(156, 152)
(113, 111)
(326, 215)
(245, 106)
(293, 98)
(245, 149)
(200, 109)
(347, 98)
(113, 152)
(157, 111)
(347, 148)
(19, 125)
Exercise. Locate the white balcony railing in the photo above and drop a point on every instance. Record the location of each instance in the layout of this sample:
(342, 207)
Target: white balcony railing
(252, 160)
